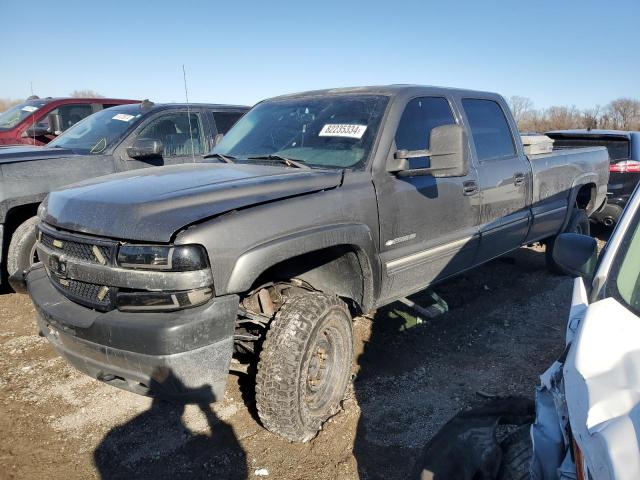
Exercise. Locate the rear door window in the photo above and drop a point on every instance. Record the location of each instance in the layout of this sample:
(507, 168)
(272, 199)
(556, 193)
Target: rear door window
(489, 129)
(226, 120)
(420, 116)
(180, 134)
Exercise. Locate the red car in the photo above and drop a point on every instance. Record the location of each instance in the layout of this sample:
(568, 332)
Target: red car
(31, 122)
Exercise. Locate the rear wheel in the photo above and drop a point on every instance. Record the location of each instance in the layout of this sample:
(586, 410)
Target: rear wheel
(579, 223)
(305, 365)
(22, 248)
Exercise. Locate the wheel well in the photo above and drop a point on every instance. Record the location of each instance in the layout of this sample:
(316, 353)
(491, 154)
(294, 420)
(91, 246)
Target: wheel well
(342, 270)
(14, 218)
(586, 197)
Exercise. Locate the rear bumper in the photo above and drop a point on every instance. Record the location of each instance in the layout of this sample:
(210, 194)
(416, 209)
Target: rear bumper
(181, 355)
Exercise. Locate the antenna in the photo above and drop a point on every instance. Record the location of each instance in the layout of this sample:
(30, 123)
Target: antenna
(33, 116)
(186, 94)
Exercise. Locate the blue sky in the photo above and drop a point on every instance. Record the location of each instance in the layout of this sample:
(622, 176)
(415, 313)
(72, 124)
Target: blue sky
(555, 52)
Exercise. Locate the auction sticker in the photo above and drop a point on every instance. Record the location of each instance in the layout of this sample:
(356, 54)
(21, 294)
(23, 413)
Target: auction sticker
(123, 117)
(29, 108)
(342, 130)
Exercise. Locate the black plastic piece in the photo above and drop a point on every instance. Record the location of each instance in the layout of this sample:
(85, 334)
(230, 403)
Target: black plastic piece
(576, 254)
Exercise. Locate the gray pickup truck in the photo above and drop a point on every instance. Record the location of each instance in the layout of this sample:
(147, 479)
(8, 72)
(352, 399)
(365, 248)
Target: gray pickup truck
(314, 207)
(116, 139)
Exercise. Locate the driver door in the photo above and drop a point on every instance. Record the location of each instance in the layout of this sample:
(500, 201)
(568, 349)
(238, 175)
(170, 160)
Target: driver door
(428, 225)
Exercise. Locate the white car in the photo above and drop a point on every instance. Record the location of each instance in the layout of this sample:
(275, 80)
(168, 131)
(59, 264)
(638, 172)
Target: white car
(588, 404)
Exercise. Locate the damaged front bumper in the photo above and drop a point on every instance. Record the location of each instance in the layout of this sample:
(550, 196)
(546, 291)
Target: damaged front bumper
(183, 355)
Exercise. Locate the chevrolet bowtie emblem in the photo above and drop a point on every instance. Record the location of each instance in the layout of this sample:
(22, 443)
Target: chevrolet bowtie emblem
(58, 243)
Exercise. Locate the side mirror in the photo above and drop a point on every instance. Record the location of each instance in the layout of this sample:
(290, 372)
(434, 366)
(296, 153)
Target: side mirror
(145, 148)
(55, 123)
(576, 254)
(447, 153)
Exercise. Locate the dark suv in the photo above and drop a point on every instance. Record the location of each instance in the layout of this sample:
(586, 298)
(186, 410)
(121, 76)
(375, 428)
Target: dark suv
(122, 138)
(624, 168)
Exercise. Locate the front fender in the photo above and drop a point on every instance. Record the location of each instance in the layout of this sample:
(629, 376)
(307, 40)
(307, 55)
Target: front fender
(252, 263)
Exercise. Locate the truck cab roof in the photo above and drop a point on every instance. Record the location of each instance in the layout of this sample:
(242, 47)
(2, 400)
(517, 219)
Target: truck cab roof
(392, 91)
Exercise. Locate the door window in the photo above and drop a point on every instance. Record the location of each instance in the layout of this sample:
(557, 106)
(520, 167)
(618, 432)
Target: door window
(180, 134)
(489, 129)
(420, 116)
(72, 114)
(226, 120)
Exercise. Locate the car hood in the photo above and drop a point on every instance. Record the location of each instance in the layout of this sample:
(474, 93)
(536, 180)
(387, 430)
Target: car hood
(9, 154)
(152, 204)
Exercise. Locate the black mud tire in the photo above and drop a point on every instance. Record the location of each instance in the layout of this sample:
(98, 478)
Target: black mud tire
(517, 451)
(305, 366)
(22, 248)
(579, 223)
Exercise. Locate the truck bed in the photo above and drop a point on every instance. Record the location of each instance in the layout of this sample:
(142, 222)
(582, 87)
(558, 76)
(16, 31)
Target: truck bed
(555, 173)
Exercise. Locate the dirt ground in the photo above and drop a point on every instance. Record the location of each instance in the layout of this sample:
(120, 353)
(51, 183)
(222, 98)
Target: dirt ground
(505, 326)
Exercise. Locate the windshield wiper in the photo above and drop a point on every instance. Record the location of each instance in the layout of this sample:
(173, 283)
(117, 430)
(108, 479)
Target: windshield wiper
(224, 158)
(286, 161)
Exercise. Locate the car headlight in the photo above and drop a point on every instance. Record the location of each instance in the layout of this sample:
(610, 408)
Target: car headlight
(174, 258)
(162, 301)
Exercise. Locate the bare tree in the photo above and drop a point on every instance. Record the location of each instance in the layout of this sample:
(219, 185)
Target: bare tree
(624, 113)
(520, 107)
(6, 103)
(86, 94)
(591, 117)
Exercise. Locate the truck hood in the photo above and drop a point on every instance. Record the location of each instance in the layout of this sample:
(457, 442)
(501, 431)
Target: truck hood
(152, 204)
(11, 154)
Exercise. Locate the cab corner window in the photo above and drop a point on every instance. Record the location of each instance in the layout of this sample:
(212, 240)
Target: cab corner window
(420, 116)
(489, 129)
(180, 134)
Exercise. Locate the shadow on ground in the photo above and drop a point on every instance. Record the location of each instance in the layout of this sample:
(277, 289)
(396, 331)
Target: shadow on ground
(157, 445)
(414, 376)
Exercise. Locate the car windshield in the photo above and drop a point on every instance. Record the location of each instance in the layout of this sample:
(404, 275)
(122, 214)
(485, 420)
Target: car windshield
(17, 113)
(97, 132)
(335, 131)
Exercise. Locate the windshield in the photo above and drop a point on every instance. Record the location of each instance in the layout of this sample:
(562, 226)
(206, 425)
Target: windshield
(99, 131)
(624, 279)
(17, 113)
(334, 131)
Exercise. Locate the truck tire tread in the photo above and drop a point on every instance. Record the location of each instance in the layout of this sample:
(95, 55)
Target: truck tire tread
(280, 368)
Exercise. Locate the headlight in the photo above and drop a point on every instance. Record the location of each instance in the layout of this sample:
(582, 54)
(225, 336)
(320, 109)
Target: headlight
(178, 258)
(162, 301)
